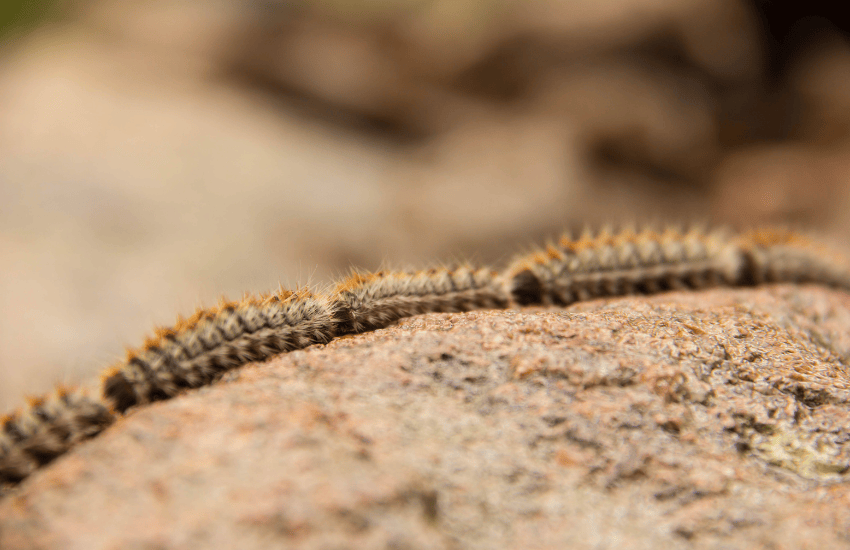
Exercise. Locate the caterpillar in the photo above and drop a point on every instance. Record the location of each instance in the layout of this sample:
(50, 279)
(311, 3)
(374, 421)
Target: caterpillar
(649, 261)
(198, 349)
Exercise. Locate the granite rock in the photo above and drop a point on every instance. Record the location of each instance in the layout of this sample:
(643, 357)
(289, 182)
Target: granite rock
(700, 420)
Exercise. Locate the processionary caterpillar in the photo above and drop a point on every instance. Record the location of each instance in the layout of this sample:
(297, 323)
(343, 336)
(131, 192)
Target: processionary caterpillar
(198, 349)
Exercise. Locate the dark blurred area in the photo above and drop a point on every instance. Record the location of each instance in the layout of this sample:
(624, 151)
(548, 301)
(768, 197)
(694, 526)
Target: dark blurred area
(19, 16)
(154, 155)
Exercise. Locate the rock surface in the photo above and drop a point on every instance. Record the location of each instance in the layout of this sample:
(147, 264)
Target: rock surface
(701, 420)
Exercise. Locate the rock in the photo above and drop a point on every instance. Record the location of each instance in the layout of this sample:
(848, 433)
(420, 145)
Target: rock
(703, 420)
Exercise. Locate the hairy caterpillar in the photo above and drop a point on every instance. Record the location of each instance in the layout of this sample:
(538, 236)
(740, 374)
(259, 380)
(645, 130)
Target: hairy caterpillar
(648, 261)
(198, 349)
(370, 301)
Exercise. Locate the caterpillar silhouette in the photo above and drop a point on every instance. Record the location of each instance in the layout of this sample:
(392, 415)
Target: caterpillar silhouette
(198, 349)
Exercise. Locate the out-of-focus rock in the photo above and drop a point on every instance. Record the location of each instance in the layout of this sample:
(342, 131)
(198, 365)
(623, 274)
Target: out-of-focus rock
(711, 419)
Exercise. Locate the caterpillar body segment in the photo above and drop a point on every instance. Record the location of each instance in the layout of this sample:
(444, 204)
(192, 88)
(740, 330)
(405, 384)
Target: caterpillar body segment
(777, 255)
(200, 349)
(628, 262)
(370, 301)
(47, 428)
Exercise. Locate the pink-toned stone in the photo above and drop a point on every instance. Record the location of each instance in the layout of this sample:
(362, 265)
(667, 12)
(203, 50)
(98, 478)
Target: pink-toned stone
(706, 420)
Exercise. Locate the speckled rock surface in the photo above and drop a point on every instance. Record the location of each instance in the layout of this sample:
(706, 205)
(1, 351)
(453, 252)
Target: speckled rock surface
(704, 420)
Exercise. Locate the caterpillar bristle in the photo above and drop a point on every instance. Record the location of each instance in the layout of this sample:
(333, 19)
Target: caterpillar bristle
(35, 401)
(197, 349)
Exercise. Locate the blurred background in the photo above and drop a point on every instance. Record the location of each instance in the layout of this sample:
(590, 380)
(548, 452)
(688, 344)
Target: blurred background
(158, 154)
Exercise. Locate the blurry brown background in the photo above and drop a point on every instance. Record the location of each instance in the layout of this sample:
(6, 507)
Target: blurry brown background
(156, 155)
